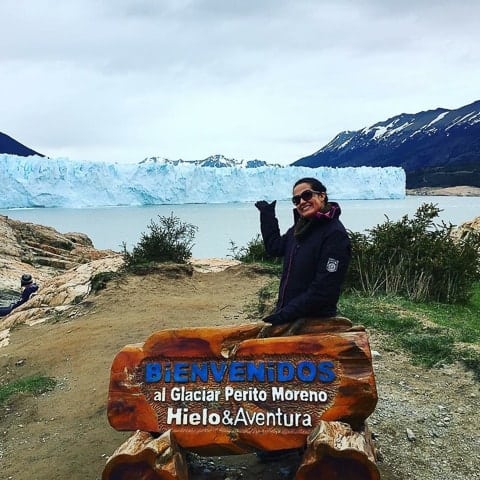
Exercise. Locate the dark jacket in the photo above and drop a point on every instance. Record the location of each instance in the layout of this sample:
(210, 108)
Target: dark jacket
(28, 291)
(314, 265)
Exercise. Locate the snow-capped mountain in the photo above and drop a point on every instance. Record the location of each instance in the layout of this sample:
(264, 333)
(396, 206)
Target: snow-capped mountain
(436, 148)
(217, 161)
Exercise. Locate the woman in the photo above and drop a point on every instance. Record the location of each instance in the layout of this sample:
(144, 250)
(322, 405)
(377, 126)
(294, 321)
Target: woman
(316, 253)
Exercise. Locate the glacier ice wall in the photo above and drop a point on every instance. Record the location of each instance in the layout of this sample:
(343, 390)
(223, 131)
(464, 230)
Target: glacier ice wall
(44, 182)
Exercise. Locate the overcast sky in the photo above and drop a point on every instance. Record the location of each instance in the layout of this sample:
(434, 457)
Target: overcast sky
(120, 80)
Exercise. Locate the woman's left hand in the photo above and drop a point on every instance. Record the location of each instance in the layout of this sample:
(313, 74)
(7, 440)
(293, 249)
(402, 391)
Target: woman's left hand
(265, 207)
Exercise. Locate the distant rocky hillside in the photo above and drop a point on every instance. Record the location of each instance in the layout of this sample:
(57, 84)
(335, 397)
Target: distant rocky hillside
(10, 146)
(436, 148)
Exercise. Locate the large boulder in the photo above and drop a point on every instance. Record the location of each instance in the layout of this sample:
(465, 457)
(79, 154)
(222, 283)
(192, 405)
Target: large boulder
(41, 251)
(465, 230)
(60, 293)
(63, 266)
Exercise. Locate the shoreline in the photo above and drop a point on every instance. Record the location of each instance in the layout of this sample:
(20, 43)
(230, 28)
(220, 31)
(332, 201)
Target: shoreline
(458, 191)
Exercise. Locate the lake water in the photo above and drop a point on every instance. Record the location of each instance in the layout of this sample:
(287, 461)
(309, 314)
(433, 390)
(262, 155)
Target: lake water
(219, 224)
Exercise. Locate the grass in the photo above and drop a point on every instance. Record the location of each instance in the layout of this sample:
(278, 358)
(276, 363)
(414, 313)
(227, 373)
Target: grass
(34, 385)
(463, 319)
(433, 333)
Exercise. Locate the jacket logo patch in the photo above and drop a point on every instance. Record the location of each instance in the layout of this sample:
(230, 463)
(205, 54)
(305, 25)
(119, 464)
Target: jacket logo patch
(332, 265)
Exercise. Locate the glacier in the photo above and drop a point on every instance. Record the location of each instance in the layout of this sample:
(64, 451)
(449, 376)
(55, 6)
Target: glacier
(45, 182)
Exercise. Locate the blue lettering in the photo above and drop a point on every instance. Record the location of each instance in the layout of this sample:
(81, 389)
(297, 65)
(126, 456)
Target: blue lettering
(167, 372)
(218, 371)
(271, 371)
(153, 372)
(180, 372)
(325, 372)
(237, 372)
(255, 372)
(285, 372)
(306, 371)
(240, 371)
(199, 370)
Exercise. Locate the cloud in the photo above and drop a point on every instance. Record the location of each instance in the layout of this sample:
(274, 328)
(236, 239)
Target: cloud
(120, 80)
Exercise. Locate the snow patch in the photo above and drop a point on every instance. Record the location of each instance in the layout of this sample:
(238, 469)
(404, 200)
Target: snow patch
(437, 119)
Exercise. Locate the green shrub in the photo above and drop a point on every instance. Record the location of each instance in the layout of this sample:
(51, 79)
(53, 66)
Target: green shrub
(99, 280)
(266, 300)
(253, 252)
(416, 258)
(169, 240)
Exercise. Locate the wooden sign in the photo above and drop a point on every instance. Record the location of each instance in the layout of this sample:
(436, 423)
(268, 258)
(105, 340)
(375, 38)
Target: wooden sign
(223, 390)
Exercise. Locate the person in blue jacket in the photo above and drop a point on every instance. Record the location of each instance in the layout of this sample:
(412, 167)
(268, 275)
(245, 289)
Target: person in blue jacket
(316, 253)
(28, 289)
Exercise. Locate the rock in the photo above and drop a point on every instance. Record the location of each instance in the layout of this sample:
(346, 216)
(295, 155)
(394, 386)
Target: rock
(60, 293)
(467, 229)
(63, 266)
(4, 337)
(410, 435)
(41, 251)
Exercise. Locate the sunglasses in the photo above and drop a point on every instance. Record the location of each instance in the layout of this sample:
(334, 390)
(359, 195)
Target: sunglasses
(306, 195)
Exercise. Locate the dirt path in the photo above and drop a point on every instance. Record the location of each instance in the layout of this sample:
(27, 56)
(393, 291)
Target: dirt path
(64, 434)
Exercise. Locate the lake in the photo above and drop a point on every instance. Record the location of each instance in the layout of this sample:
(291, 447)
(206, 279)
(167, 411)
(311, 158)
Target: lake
(219, 224)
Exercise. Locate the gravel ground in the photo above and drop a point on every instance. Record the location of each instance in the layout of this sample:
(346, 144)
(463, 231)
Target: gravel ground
(425, 426)
(425, 423)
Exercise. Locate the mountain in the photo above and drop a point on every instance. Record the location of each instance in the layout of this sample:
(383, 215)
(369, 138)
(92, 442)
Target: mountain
(436, 148)
(217, 161)
(12, 147)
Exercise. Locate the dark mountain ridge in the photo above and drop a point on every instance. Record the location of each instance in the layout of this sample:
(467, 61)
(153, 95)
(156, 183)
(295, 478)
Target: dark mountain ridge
(437, 148)
(10, 146)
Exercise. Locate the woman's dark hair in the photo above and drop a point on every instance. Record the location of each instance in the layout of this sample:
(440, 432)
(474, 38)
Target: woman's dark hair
(315, 184)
